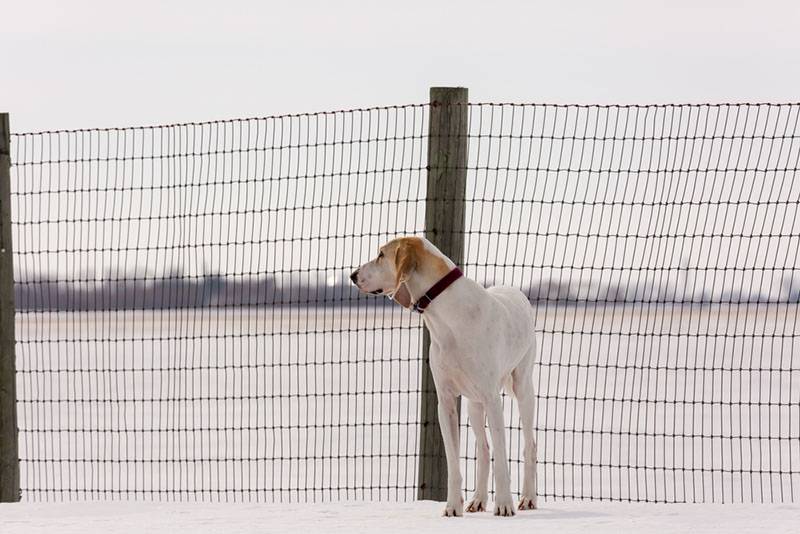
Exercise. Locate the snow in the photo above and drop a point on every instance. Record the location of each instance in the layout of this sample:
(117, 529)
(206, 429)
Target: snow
(423, 516)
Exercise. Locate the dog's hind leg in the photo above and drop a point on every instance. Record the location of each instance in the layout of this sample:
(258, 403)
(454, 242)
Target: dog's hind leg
(526, 398)
(477, 419)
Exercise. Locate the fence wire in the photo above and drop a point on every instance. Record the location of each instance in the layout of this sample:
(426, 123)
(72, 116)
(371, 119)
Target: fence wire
(186, 329)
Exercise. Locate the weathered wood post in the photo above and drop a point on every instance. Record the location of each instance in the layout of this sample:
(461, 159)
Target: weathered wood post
(444, 227)
(9, 452)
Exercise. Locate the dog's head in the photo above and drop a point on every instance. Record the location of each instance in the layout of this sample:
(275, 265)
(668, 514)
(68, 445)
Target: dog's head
(388, 273)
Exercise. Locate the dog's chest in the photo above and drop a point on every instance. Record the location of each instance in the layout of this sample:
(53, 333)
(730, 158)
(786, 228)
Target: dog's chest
(459, 373)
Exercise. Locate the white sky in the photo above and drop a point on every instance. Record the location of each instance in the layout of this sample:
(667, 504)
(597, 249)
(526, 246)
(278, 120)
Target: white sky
(91, 63)
(96, 64)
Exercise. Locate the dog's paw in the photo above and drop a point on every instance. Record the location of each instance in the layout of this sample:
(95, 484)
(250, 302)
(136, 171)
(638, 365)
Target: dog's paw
(452, 510)
(527, 503)
(477, 504)
(504, 507)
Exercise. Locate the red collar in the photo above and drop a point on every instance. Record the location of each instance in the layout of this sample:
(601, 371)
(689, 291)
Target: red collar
(425, 300)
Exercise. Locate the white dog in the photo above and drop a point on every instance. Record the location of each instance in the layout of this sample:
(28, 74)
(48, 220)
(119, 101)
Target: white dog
(481, 340)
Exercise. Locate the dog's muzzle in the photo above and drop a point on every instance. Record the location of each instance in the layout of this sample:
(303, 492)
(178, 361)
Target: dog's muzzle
(354, 279)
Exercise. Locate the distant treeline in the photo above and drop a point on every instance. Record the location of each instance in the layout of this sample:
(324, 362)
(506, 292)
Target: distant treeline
(178, 291)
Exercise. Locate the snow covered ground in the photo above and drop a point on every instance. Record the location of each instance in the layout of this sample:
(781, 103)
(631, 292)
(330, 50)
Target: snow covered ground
(423, 516)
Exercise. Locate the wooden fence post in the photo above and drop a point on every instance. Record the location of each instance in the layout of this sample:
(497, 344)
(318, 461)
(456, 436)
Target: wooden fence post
(9, 448)
(444, 227)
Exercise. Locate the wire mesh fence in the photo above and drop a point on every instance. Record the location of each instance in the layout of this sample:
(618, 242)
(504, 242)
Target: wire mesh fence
(186, 329)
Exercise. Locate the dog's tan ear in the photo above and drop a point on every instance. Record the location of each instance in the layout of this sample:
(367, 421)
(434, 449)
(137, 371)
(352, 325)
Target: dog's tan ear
(402, 296)
(405, 261)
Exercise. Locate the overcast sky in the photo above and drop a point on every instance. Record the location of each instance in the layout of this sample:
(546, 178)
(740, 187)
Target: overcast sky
(71, 64)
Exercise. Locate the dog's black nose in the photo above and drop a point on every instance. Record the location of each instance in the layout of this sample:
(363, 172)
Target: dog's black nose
(354, 276)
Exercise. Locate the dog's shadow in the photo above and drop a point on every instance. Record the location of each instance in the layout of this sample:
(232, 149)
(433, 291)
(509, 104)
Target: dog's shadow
(559, 513)
(546, 514)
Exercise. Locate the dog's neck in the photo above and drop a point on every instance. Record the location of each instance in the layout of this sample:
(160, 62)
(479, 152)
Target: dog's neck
(427, 274)
(444, 313)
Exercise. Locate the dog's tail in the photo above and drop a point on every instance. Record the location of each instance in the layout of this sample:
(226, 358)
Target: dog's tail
(508, 385)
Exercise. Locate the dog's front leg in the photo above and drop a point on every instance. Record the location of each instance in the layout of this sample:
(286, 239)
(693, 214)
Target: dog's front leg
(503, 504)
(448, 422)
(477, 418)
